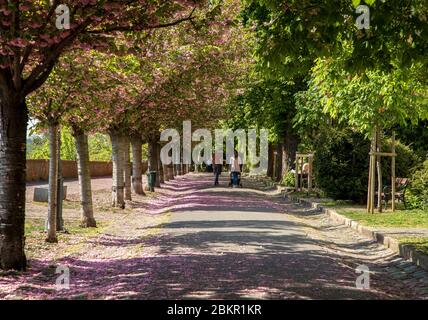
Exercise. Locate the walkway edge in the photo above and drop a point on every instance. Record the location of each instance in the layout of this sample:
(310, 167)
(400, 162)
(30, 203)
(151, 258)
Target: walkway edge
(404, 251)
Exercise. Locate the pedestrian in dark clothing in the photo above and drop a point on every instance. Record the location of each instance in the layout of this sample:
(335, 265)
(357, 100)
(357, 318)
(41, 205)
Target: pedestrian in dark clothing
(218, 168)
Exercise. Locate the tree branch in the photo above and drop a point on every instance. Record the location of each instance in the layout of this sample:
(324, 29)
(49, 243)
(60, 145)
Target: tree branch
(145, 27)
(43, 70)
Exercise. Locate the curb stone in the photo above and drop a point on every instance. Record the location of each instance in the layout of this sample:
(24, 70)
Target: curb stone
(404, 251)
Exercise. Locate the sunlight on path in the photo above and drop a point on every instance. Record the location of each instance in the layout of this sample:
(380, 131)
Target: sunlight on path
(193, 240)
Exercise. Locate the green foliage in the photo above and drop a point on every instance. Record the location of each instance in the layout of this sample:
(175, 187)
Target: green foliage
(293, 34)
(38, 147)
(417, 192)
(416, 136)
(369, 99)
(99, 147)
(68, 148)
(405, 162)
(266, 104)
(341, 164)
(309, 117)
(361, 78)
(289, 180)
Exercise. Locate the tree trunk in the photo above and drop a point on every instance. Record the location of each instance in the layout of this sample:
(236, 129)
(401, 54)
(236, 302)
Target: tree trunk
(53, 182)
(60, 188)
(289, 151)
(127, 168)
(270, 160)
(284, 158)
(157, 161)
(151, 156)
(153, 160)
(165, 173)
(137, 168)
(371, 183)
(160, 165)
(13, 134)
(170, 171)
(118, 171)
(278, 162)
(86, 208)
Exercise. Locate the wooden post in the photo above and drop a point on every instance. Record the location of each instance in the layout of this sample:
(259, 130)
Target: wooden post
(372, 173)
(393, 173)
(302, 162)
(369, 187)
(379, 171)
(372, 183)
(296, 174)
(311, 159)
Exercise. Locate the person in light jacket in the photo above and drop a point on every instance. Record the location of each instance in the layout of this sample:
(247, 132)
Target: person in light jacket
(235, 164)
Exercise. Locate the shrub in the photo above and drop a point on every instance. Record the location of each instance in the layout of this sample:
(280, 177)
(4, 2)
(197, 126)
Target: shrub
(417, 192)
(288, 179)
(341, 164)
(406, 161)
(342, 160)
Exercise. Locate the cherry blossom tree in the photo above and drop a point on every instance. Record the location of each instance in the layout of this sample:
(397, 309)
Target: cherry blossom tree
(30, 45)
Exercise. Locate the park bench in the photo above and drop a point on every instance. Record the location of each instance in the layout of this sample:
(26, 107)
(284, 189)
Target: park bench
(400, 192)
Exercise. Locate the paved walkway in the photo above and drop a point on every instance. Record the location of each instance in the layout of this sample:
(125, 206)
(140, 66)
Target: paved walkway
(216, 242)
(240, 243)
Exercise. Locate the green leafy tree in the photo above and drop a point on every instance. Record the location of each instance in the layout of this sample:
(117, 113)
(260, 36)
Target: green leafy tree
(293, 34)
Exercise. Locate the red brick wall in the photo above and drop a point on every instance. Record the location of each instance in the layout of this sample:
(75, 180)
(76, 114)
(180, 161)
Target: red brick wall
(39, 169)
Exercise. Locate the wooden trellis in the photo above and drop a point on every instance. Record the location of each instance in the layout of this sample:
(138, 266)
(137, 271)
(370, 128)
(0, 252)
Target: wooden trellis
(375, 156)
(300, 161)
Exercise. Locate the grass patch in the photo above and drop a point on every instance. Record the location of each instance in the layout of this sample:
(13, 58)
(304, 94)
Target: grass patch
(304, 195)
(419, 244)
(76, 229)
(41, 204)
(34, 225)
(401, 218)
(69, 242)
(71, 205)
(37, 225)
(337, 203)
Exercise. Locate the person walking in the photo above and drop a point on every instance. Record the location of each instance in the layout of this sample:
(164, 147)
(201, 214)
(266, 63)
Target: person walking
(209, 165)
(218, 167)
(235, 168)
